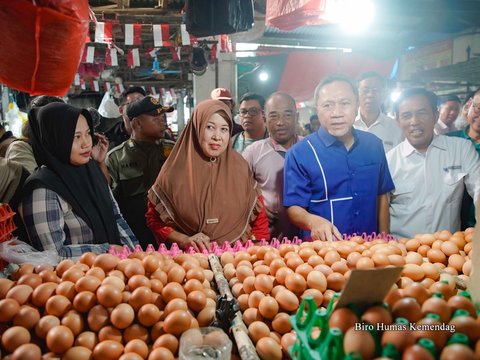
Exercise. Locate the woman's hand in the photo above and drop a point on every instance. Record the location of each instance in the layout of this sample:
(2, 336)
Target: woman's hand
(99, 151)
(199, 242)
(323, 229)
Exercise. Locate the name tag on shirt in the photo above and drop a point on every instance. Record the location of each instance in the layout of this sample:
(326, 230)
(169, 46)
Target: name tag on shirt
(212, 221)
(453, 167)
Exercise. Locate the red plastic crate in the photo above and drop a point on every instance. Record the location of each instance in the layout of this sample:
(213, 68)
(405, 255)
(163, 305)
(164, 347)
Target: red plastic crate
(7, 226)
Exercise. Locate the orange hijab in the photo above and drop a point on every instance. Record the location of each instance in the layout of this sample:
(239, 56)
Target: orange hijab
(194, 193)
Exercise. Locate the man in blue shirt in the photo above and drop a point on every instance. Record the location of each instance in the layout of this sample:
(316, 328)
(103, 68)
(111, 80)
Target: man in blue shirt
(337, 179)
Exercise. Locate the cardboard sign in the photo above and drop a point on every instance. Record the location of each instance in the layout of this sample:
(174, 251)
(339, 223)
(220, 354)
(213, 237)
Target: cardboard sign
(368, 287)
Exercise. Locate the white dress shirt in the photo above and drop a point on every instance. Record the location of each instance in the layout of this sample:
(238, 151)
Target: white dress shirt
(429, 186)
(384, 128)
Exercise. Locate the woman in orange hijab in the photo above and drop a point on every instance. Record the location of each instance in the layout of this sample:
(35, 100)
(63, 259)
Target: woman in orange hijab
(205, 191)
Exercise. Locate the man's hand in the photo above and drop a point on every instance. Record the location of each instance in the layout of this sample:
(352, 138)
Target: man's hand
(198, 241)
(99, 151)
(323, 229)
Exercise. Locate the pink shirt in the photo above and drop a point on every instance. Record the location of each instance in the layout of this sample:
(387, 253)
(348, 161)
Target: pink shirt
(266, 160)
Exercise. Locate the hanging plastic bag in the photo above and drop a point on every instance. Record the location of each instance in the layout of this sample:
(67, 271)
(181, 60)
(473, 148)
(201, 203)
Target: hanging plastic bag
(107, 107)
(42, 44)
(18, 252)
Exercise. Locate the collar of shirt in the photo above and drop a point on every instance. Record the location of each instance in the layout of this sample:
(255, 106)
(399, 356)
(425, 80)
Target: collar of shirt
(278, 147)
(438, 142)
(360, 124)
(444, 126)
(330, 140)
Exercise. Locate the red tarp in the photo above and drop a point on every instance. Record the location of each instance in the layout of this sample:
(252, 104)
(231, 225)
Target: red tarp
(304, 70)
(290, 14)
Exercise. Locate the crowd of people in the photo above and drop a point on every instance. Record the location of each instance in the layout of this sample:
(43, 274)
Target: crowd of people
(357, 170)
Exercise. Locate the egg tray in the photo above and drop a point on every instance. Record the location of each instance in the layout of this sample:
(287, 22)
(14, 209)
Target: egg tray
(236, 246)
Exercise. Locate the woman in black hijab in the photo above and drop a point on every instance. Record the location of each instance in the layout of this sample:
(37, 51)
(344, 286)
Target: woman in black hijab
(67, 204)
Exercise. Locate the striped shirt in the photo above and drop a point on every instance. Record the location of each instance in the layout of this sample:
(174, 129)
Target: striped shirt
(52, 225)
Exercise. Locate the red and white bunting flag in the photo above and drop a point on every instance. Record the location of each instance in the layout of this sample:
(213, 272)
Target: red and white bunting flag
(225, 43)
(133, 58)
(103, 32)
(187, 39)
(107, 86)
(151, 52)
(88, 55)
(162, 92)
(161, 35)
(95, 86)
(120, 88)
(82, 84)
(76, 79)
(111, 57)
(153, 91)
(133, 34)
(213, 52)
(174, 53)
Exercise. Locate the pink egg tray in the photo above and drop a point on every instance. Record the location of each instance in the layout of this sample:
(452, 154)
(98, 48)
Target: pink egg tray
(236, 246)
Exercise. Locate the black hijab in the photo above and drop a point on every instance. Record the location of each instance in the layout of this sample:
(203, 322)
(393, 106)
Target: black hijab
(52, 129)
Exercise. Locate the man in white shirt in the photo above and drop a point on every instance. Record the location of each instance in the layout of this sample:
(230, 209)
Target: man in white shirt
(266, 159)
(371, 94)
(448, 111)
(429, 171)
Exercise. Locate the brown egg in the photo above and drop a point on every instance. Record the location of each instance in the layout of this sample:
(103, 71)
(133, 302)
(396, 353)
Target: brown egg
(413, 271)
(87, 283)
(74, 321)
(167, 341)
(315, 294)
(436, 256)
(110, 333)
(365, 263)
(396, 260)
(67, 289)
(45, 324)
(443, 288)
(106, 261)
(281, 323)
(73, 274)
(439, 306)
(84, 301)
(258, 330)
(467, 325)
(449, 248)
(196, 300)
(295, 283)
(392, 296)
(27, 351)
(335, 281)
(122, 316)
(377, 315)
(136, 331)
(402, 338)
(20, 293)
(457, 351)
(109, 296)
(407, 308)
(268, 349)
(173, 291)
(263, 283)
(15, 337)
(343, 319)
(425, 328)
(77, 353)
(59, 339)
(177, 322)
(148, 315)
(150, 263)
(457, 302)
(42, 293)
(282, 273)
(57, 305)
(175, 304)
(137, 346)
(63, 266)
(87, 339)
(27, 317)
(250, 315)
(205, 317)
(268, 307)
(161, 353)
(5, 285)
(287, 341)
(32, 280)
(359, 341)
(107, 350)
(417, 291)
(415, 352)
(287, 300)
(8, 309)
(317, 280)
(97, 317)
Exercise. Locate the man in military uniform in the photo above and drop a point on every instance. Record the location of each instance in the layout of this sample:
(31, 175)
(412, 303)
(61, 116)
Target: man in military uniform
(135, 164)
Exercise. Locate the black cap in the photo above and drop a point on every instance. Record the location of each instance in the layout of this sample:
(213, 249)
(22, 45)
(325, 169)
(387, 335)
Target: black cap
(147, 105)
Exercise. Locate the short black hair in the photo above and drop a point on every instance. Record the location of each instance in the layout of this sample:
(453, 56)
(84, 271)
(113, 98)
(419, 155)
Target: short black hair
(313, 117)
(445, 98)
(132, 90)
(369, 75)
(253, 96)
(42, 100)
(408, 93)
(332, 78)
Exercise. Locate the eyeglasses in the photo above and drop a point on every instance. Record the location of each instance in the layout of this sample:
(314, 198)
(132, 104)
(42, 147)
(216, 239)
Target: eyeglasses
(365, 90)
(475, 107)
(253, 111)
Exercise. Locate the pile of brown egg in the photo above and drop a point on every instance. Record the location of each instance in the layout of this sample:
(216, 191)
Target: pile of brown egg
(105, 308)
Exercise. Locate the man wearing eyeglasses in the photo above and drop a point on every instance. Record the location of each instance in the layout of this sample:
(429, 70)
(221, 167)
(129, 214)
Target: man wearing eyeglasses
(337, 179)
(371, 94)
(430, 171)
(266, 159)
(472, 133)
(252, 120)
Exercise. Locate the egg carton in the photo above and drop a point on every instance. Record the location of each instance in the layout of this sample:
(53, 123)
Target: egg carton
(237, 246)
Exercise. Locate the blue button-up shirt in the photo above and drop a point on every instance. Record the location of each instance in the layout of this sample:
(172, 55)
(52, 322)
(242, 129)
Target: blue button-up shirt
(340, 185)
